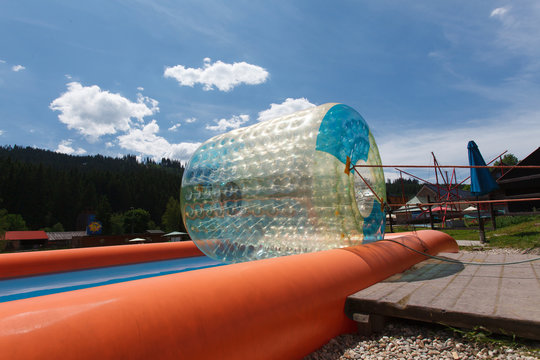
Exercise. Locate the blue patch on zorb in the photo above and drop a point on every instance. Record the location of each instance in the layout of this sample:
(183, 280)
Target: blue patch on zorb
(343, 132)
(373, 223)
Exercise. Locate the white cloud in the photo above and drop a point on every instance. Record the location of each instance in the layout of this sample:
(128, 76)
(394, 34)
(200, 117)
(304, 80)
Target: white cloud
(67, 76)
(94, 112)
(66, 148)
(436, 54)
(233, 123)
(219, 74)
(140, 88)
(518, 33)
(505, 46)
(1, 132)
(175, 127)
(516, 45)
(17, 68)
(109, 144)
(499, 11)
(146, 142)
(190, 120)
(2, 61)
(287, 107)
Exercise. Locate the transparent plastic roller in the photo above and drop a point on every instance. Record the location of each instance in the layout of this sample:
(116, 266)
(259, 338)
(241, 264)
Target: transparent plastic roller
(280, 187)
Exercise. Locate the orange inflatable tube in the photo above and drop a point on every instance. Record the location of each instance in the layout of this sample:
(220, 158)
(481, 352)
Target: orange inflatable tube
(41, 262)
(280, 308)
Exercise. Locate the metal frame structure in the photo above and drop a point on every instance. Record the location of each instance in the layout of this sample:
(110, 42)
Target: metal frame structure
(447, 187)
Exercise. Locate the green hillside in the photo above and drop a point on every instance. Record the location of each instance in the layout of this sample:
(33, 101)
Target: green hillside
(52, 189)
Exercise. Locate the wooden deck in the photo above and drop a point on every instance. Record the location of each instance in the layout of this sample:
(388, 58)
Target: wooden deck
(503, 299)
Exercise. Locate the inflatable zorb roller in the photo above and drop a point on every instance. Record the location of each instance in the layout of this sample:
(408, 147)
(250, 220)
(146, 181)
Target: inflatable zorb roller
(282, 187)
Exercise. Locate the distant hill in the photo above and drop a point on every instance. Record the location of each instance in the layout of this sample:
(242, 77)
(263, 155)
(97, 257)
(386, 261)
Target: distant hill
(46, 187)
(92, 162)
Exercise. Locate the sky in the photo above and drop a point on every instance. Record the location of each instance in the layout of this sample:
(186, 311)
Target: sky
(157, 78)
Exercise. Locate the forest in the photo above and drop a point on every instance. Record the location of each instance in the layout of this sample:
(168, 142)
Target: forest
(403, 187)
(42, 189)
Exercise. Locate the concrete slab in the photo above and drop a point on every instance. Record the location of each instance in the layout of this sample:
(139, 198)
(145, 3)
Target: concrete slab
(502, 298)
(470, 243)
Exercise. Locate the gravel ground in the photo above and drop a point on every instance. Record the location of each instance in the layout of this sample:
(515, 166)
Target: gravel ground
(402, 339)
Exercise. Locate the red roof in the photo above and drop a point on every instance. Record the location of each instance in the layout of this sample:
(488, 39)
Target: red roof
(26, 235)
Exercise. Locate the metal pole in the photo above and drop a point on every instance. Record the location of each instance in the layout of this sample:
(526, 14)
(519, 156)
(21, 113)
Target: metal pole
(492, 214)
(481, 231)
(391, 222)
(431, 218)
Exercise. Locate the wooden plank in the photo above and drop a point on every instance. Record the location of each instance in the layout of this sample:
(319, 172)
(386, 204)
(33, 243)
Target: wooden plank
(485, 282)
(503, 299)
(518, 179)
(519, 291)
(510, 326)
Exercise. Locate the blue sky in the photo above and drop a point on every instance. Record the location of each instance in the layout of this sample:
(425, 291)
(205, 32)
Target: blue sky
(156, 78)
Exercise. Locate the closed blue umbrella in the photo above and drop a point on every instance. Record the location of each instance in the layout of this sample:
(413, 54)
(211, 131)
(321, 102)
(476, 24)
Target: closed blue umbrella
(481, 181)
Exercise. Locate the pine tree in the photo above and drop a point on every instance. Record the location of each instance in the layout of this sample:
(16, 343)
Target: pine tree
(172, 217)
(104, 213)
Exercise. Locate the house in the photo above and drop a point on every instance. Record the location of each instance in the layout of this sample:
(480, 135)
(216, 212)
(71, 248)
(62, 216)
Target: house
(26, 240)
(63, 239)
(521, 184)
(430, 193)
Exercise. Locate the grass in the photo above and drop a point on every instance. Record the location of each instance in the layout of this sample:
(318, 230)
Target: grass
(521, 232)
(484, 336)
